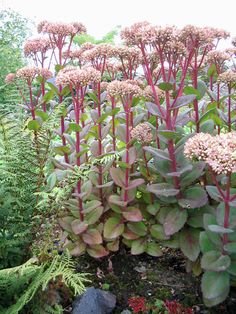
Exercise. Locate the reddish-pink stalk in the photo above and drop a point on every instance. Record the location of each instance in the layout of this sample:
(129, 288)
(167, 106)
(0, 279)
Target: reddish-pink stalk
(100, 175)
(218, 102)
(127, 139)
(195, 85)
(113, 105)
(229, 109)
(77, 108)
(156, 98)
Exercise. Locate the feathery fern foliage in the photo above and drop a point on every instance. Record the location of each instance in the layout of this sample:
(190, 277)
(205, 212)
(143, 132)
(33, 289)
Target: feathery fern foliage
(19, 286)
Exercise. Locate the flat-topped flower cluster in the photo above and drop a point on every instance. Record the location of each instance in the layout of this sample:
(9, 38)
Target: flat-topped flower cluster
(219, 151)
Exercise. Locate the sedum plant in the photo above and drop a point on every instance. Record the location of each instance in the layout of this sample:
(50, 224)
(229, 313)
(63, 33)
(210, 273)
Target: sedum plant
(117, 119)
(217, 241)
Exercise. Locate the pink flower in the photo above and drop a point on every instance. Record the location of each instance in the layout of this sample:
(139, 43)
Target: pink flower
(10, 78)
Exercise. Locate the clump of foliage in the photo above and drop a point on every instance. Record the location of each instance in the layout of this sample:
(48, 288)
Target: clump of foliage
(14, 29)
(117, 167)
(33, 277)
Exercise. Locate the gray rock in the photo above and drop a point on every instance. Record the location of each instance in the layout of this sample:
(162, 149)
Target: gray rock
(126, 312)
(94, 301)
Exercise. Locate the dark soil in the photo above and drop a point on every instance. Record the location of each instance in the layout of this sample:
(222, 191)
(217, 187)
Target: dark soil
(162, 278)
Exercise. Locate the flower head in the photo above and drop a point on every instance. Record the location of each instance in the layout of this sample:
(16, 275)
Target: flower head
(217, 151)
(32, 46)
(27, 73)
(61, 29)
(9, 79)
(137, 33)
(227, 77)
(197, 146)
(142, 133)
(78, 77)
(45, 73)
(123, 89)
(148, 93)
(217, 57)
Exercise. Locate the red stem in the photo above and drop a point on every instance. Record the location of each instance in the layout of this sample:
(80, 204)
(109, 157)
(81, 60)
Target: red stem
(127, 139)
(229, 109)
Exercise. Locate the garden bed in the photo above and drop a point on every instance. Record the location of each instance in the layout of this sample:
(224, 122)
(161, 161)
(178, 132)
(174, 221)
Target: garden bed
(163, 278)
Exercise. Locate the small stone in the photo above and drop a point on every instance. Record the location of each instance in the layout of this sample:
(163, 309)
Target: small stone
(94, 301)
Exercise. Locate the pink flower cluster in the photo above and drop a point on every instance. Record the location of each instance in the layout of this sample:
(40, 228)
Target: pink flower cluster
(29, 73)
(228, 77)
(78, 77)
(219, 152)
(148, 93)
(142, 133)
(10, 78)
(123, 89)
(61, 29)
(99, 51)
(32, 46)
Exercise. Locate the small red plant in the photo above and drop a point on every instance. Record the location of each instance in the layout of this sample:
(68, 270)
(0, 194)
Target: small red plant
(175, 307)
(137, 304)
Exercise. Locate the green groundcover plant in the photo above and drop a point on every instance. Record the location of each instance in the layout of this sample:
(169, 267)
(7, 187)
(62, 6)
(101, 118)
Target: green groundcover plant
(141, 143)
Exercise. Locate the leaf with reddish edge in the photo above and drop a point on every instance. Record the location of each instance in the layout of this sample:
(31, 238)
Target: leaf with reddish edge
(135, 183)
(97, 251)
(132, 155)
(65, 223)
(157, 152)
(154, 110)
(138, 246)
(138, 227)
(78, 226)
(193, 197)
(174, 221)
(188, 178)
(182, 101)
(214, 193)
(130, 235)
(153, 249)
(92, 237)
(157, 231)
(91, 205)
(131, 194)
(189, 243)
(78, 248)
(162, 189)
(120, 132)
(118, 176)
(132, 214)
(113, 228)
(117, 200)
(215, 261)
(94, 215)
(114, 245)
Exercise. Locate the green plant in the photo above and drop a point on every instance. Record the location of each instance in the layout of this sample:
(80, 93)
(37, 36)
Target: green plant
(22, 284)
(14, 29)
(114, 168)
